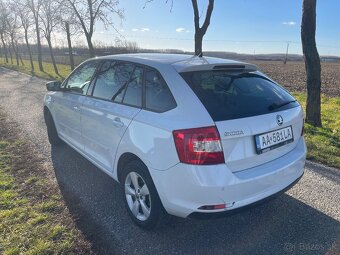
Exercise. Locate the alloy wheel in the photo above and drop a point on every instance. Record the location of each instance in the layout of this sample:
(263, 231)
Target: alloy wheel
(137, 196)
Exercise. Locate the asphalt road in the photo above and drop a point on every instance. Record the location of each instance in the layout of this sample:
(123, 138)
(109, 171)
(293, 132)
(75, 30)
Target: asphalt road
(305, 220)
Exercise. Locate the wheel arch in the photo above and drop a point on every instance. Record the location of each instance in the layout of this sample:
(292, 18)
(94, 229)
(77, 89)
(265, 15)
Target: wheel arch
(123, 160)
(46, 112)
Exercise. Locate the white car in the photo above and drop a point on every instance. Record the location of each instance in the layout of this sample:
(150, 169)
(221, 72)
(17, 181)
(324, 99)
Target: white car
(188, 136)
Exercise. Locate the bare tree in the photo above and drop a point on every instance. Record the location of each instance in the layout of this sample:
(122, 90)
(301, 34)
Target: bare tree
(26, 20)
(34, 6)
(3, 28)
(50, 16)
(71, 26)
(89, 12)
(69, 43)
(13, 33)
(200, 31)
(312, 63)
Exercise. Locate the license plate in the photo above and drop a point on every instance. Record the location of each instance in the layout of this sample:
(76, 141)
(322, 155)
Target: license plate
(274, 139)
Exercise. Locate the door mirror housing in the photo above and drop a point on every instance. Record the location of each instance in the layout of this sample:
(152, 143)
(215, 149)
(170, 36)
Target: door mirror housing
(53, 86)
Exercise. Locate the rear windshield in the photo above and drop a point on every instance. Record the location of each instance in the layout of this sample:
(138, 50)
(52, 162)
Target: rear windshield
(228, 95)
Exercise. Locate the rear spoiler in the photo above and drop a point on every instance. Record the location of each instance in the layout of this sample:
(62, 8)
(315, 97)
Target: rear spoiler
(232, 67)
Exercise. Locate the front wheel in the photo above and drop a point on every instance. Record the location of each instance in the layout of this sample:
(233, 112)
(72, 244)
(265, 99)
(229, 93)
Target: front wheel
(141, 197)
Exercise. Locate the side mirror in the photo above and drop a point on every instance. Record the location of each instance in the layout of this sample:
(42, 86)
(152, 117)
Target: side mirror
(53, 86)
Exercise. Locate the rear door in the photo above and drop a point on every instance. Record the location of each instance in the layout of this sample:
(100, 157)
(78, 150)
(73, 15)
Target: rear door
(258, 121)
(115, 100)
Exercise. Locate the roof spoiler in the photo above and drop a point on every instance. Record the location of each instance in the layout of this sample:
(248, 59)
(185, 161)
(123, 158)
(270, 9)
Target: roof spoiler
(232, 67)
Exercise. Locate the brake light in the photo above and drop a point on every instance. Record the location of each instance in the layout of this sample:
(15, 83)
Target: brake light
(199, 146)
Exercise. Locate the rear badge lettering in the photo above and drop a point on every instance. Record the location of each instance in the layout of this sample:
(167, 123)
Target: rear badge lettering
(233, 133)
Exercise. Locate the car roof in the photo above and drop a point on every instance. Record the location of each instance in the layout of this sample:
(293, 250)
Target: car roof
(181, 62)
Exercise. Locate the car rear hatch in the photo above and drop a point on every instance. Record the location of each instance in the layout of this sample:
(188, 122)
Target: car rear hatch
(242, 139)
(258, 121)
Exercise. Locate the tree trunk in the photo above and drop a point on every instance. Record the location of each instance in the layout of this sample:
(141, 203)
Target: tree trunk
(89, 43)
(312, 63)
(15, 51)
(41, 68)
(10, 54)
(22, 62)
(29, 50)
(5, 48)
(19, 55)
(200, 31)
(70, 51)
(48, 39)
(198, 44)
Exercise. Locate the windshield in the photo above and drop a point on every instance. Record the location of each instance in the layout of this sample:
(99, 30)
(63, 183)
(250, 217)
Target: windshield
(231, 96)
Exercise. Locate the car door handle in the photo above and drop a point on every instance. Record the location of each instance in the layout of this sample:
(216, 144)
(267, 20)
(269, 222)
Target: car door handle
(117, 122)
(76, 108)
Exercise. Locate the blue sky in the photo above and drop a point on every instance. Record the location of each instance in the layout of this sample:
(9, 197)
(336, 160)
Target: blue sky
(243, 26)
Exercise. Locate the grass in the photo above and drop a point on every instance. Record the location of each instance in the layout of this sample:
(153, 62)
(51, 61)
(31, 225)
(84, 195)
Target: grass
(323, 144)
(33, 216)
(48, 72)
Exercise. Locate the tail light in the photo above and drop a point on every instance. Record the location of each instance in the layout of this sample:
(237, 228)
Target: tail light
(199, 146)
(303, 127)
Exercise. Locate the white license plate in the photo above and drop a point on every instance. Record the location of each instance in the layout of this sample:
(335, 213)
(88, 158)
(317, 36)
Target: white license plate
(271, 140)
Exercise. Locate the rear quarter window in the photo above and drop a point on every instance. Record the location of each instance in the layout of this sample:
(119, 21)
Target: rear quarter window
(158, 96)
(228, 95)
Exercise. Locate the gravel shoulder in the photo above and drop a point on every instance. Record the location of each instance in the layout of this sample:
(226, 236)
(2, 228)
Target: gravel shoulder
(305, 220)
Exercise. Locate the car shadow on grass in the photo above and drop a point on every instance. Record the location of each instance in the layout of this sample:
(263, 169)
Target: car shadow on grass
(281, 226)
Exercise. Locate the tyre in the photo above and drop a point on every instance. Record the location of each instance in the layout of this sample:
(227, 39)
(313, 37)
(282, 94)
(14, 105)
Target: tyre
(52, 134)
(140, 195)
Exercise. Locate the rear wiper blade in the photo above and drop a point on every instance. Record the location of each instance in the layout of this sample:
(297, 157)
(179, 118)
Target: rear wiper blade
(276, 106)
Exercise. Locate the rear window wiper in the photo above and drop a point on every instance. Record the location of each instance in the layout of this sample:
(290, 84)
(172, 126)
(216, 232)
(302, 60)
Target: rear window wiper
(276, 106)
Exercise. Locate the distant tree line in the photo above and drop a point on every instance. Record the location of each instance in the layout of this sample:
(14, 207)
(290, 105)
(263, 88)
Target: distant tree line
(33, 23)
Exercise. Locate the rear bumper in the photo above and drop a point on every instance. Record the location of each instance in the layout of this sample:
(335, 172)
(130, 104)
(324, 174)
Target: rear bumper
(184, 188)
(200, 215)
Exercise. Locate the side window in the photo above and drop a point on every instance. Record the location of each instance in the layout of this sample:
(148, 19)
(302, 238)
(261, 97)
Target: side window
(112, 80)
(157, 94)
(133, 93)
(80, 79)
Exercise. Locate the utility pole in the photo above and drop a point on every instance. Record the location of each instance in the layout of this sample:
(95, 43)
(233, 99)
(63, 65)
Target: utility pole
(285, 60)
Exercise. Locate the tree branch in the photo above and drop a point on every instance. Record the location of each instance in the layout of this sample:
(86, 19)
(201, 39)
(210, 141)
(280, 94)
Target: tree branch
(208, 16)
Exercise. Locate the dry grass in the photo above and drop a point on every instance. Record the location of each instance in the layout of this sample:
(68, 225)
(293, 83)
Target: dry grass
(48, 72)
(33, 216)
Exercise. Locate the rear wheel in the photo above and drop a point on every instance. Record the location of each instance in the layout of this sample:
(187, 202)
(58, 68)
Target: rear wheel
(52, 134)
(141, 197)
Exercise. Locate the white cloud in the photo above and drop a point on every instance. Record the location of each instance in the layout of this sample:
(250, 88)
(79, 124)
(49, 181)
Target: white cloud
(143, 29)
(289, 23)
(180, 29)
